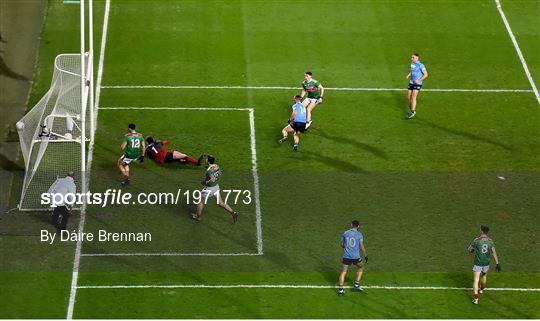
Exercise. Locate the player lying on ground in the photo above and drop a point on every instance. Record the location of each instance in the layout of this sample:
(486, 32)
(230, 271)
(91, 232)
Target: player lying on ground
(134, 147)
(314, 91)
(211, 189)
(156, 152)
(297, 122)
(483, 248)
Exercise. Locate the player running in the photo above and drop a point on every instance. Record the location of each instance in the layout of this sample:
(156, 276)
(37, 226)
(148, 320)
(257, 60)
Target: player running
(156, 152)
(352, 242)
(134, 148)
(297, 122)
(314, 91)
(211, 188)
(483, 248)
(417, 75)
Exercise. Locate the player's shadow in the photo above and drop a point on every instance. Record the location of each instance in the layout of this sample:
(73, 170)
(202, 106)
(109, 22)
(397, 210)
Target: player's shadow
(463, 134)
(354, 143)
(336, 163)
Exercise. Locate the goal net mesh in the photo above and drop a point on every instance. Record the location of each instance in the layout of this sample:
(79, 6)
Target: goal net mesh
(50, 133)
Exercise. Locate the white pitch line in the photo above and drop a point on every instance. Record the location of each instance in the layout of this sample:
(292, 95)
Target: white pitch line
(502, 90)
(518, 51)
(174, 108)
(78, 247)
(290, 286)
(255, 181)
(170, 254)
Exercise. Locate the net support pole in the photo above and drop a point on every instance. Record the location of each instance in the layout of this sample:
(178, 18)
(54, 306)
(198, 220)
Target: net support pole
(83, 105)
(91, 62)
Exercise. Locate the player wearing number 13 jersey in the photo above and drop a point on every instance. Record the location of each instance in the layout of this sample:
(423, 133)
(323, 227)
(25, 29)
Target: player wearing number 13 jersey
(134, 147)
(315, 93)
(483, 248)
(352, 242)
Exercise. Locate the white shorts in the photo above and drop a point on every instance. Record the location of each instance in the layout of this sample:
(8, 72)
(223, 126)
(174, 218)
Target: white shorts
(478, 268)
(210, 191)
(126, 160)
(310, 101)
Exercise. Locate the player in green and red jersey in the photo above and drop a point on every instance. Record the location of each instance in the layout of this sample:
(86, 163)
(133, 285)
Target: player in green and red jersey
(314, 91)
(482, 247)
(134, 148)
(211, 189)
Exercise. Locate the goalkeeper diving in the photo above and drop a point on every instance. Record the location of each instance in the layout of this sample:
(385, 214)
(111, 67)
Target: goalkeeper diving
(156, 152)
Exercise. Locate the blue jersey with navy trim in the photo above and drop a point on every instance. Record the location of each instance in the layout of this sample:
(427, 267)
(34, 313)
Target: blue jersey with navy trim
(300, 116)
(417, 71)
(351, 241)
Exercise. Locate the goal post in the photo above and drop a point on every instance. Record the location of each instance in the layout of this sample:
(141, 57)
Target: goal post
(55, 133)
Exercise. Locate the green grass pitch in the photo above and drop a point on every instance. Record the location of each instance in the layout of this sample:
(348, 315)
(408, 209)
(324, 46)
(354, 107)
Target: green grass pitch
(421, 187)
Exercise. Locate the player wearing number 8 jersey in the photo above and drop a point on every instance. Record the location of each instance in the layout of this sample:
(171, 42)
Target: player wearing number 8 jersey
(483, 248)
(134, 147)
(352, 242)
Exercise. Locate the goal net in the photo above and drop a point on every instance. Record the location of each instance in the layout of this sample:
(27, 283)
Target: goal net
(52, 134)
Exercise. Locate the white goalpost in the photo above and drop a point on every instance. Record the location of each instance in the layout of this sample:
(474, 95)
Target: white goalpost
(54, 135)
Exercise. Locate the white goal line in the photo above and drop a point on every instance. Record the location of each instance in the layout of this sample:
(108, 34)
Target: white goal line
(501, 90)
(171, 254)
(291, 286)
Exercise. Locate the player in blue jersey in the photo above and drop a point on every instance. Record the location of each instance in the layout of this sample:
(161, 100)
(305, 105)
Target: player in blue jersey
(352, 242)
(416, 78)
(297, 122)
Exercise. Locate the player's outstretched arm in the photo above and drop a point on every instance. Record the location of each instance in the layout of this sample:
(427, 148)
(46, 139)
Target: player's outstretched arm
(408, 75)
(123, 145)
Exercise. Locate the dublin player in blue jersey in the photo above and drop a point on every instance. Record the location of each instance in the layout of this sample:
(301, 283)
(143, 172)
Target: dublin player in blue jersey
(416, 78)
(352, 242)
(297, 122)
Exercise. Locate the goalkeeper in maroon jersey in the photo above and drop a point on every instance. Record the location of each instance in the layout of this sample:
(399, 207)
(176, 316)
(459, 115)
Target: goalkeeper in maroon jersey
(155, 151)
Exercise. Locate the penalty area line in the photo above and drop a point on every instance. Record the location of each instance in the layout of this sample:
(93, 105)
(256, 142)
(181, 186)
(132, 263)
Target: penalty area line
(495, 90)
(176, 108)
(171, 254)
(291, 286)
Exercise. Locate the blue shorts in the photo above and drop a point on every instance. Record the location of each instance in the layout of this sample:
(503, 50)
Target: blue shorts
(299, 127)
(347, 261)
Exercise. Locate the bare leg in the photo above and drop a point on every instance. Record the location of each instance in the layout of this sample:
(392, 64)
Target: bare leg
(412, 103)
(343, 274)
(483, 281)
(476, 279)
(359, 272)
(198, 215)
(285, 132)
(309, 109)
(178, 155)
(224, 205)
